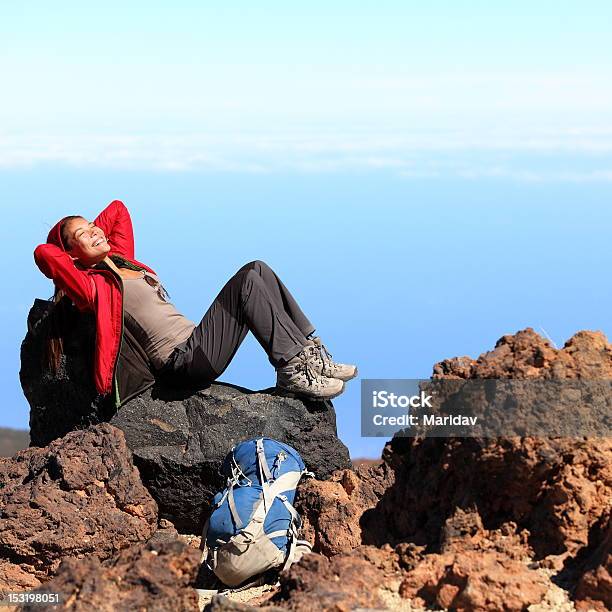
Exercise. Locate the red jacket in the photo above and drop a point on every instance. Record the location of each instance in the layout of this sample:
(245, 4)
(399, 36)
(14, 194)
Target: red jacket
(92, 289)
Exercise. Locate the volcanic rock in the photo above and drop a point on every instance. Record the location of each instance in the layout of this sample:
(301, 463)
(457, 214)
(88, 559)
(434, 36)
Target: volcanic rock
(474, 582)
(79, 496)
(344, 582)
(594, 589)
(471, 518)
(179, 437)
(339, 514)
(556, 488)
(477, 569)
(16, 578)
(142, 577)
(526, 355)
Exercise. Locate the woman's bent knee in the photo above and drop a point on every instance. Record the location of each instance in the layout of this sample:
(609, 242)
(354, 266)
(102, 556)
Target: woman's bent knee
(256, 264)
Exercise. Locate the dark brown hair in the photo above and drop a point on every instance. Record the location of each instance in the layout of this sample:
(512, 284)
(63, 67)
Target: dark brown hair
(57, 318)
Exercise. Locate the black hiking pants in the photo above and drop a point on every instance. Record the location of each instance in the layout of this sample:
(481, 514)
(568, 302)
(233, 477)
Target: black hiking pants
(253, 299)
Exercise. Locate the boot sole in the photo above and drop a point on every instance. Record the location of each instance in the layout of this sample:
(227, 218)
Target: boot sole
(310, 396)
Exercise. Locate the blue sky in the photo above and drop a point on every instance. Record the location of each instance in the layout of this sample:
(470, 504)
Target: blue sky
(425, 176)
(254, 87)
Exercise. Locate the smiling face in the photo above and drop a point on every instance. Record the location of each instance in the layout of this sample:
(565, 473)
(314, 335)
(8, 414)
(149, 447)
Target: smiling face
(85, 241)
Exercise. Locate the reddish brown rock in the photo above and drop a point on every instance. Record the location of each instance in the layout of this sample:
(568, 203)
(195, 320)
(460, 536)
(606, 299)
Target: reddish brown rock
(526, 355)
(318, 583)
(344, 582)
(478, 569)
(16, 577)
(556, 488)
(536, 497)
(81, 495)
(337, 513)
(594, 589)
(474, 581)
(141, 577)
(463, 531)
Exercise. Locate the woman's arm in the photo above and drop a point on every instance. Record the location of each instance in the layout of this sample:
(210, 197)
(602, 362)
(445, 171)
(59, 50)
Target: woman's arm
(116, 224)
(58, 266)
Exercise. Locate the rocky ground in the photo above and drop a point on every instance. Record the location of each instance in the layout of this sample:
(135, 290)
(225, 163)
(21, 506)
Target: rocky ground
(466, 524)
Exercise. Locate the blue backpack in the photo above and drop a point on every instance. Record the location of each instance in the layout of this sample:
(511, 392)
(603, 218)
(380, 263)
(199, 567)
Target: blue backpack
(253, 526)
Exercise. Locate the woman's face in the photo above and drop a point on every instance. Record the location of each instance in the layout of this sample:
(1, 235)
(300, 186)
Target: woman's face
(86, 242)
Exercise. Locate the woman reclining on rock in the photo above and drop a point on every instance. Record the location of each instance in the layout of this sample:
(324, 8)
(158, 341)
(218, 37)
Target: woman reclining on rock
(140, 335)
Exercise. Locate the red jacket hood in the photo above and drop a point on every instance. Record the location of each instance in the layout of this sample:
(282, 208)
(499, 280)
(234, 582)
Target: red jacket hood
(55, 236)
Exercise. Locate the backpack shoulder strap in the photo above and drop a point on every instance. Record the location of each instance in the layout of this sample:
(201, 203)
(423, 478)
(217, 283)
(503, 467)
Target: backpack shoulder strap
(261, 459)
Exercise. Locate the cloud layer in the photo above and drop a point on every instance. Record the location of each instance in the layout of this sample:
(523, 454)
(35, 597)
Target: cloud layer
(574, 154)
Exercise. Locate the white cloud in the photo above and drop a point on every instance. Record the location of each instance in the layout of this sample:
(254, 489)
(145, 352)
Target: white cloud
(576, 153)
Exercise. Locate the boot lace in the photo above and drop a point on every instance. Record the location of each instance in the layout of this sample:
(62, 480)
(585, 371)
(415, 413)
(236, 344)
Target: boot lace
(321, 354)
(326, 356)
(312, 376)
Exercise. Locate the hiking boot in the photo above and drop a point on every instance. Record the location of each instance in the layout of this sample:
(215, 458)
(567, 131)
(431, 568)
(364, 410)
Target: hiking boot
(323, 364)
(299, 377)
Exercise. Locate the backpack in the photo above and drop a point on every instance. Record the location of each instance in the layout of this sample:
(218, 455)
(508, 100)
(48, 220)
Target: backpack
(253, 526)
